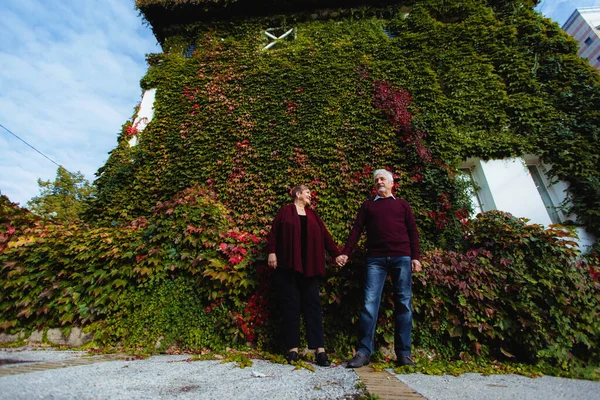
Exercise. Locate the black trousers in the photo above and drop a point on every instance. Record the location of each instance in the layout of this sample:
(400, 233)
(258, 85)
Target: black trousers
(299, 295)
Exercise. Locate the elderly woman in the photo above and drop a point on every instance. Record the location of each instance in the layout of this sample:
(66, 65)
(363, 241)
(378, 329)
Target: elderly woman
(296, 247)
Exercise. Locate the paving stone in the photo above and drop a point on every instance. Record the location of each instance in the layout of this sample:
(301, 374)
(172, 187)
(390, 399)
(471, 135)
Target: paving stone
(33, 366)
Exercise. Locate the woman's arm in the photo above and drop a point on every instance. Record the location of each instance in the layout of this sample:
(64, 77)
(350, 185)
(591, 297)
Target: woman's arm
(272, 239)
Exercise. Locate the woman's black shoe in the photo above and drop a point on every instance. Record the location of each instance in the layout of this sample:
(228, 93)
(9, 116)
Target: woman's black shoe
(323, 360)
(291, 356)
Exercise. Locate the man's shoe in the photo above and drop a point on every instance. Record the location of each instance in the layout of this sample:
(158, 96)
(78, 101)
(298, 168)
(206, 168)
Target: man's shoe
(323, 360)
(405, 360)
(358, 360)
(291, 356)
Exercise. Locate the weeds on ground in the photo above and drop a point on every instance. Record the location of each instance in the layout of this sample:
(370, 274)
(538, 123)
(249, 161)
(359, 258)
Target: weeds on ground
(364, 395)
(12, 345)
(434, 366)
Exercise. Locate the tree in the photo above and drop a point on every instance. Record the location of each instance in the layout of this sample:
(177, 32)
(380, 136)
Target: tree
(64, 199)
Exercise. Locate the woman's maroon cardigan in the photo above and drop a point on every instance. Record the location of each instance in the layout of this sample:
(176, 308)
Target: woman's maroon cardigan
(285, 241)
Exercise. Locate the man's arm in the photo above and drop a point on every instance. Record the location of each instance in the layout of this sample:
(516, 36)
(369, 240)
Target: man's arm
(413, 235)
(329, 244)
(356, 231)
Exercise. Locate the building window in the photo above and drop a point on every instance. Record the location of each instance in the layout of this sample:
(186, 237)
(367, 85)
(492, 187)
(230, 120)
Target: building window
(389, 34)
(189, 51)
(536, 175)
(588, 41)
(598, 58)
(473, 190)
(276, 35)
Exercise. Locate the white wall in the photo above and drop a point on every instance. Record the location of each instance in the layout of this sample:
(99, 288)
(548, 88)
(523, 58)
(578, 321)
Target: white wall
(145, 114)
(507, 185)
(514, 191)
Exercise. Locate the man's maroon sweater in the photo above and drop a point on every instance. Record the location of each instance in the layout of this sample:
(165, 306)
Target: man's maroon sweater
(391, 229)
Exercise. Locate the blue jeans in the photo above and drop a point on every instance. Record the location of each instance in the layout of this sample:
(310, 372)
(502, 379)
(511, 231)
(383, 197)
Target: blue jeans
(377, 269)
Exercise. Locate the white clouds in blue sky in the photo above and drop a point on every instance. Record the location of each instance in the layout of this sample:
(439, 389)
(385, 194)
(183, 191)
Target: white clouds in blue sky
(69, 78)
(561, 10)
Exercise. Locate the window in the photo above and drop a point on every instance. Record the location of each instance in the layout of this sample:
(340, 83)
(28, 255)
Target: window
(389, 34)
(275, 35)
(536, 175)
(189, 51)
(519, 186)
(472, 173)
(473, 189)
(588, 41)
(598, 58)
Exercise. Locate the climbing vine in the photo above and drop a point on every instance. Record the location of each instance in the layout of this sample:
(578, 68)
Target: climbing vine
(415, 88)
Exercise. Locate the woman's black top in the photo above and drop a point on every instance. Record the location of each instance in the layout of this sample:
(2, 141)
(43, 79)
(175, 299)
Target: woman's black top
(303, 238)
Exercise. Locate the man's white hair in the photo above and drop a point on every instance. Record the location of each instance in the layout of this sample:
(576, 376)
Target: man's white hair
(384, 172)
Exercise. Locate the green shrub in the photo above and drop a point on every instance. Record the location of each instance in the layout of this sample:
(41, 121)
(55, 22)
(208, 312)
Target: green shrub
(169, 313)
(519, 291)
(54, 275)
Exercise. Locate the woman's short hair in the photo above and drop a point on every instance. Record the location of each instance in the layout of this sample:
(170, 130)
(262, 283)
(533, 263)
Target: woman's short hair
(385, 172)
(297, 189)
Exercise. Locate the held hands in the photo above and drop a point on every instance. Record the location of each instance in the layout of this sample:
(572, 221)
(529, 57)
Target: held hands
(272, 261)
(416, 265)
(341, 260)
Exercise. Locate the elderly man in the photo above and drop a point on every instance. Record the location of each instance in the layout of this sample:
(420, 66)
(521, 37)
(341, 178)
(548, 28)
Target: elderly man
(392, 247)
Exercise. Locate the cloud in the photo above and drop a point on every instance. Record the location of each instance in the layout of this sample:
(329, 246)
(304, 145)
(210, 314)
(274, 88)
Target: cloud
(561, 10)
(69, 78)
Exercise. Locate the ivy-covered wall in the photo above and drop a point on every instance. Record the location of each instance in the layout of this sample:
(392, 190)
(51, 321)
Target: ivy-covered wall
(184, 214)
(462, 79)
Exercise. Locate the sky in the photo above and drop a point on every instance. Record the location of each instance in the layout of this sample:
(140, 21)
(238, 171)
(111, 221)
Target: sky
(69, 79)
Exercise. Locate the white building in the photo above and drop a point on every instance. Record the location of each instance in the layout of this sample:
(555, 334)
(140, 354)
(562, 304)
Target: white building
(584, 26)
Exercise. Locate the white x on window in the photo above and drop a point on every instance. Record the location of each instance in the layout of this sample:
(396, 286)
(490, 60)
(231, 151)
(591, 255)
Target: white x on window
(275, 39)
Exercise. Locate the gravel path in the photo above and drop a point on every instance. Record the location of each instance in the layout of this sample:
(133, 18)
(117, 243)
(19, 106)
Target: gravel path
(473, 386)
(170, 377)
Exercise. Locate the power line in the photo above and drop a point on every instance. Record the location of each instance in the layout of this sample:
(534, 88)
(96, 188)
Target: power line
(51, 160)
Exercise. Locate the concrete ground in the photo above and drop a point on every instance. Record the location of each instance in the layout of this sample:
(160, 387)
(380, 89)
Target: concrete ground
(51, 374)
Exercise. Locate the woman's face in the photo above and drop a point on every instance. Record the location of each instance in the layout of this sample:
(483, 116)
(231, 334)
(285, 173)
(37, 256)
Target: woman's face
(304, 196)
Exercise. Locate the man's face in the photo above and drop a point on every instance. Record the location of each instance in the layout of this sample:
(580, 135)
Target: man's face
(383, 185)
